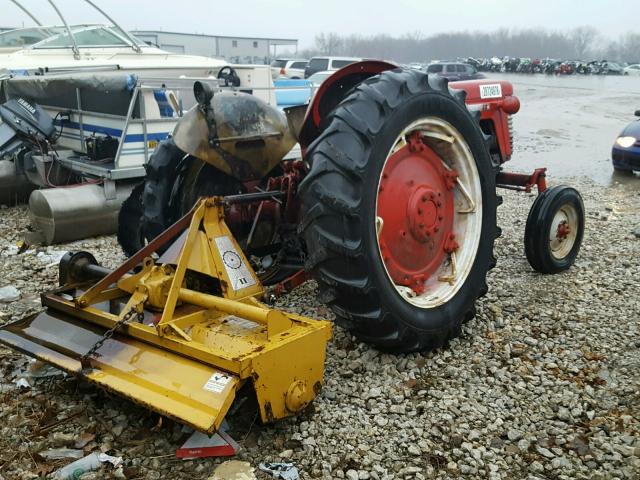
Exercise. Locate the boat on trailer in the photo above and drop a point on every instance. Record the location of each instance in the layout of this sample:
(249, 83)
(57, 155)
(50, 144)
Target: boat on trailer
(105, 127)
(68, 47)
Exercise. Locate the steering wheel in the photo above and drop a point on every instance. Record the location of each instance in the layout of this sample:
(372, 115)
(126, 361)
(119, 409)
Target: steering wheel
(230, 77)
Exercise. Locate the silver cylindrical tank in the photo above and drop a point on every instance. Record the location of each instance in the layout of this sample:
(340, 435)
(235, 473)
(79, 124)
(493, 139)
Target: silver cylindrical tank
(72, 213)
(14, 188)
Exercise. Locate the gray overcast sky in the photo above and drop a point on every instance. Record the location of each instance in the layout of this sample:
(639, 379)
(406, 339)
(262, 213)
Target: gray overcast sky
(303, 19)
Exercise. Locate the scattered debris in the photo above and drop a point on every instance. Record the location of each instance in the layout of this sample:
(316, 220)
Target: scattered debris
(83, 440)
(40, 369)
(233, 470)
(636, 232)
(87, 464)
(9, 294)
(23, 383)
(58, 453)
(22, 246)
(200, 445)
(285, 471)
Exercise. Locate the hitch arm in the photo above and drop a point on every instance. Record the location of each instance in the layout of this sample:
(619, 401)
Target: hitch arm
(522, 182)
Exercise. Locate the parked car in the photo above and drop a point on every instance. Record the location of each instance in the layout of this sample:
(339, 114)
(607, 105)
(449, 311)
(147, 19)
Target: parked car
(317, 78)
(454, 71)
(632, 69)
(612, 68)
(288, 68)
(625, 155)
(320, 64)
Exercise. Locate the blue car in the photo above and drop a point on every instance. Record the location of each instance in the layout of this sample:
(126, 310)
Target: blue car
(626, 149)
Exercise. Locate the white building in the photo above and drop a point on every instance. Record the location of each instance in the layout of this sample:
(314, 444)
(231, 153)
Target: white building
(233, 49)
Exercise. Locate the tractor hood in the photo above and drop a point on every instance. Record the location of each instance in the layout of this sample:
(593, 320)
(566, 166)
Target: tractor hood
(484, 91)
(237, 133)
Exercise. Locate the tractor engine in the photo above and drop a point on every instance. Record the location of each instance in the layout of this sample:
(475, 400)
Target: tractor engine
(230, 144)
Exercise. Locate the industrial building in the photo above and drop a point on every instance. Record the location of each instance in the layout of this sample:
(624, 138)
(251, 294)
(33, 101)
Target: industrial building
(255, 50)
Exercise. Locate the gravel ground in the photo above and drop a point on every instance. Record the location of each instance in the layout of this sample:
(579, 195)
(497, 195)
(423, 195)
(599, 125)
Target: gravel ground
(543, 384)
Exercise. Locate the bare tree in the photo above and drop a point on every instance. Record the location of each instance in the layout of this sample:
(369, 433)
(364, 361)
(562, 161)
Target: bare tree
(583, 39)
(329, 43)
(581, 42)
(630, 47)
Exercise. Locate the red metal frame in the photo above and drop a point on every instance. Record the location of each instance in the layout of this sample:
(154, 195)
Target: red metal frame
(523, 182)
(496, 110)
(290, 283)
(415, 198)
(332, 90)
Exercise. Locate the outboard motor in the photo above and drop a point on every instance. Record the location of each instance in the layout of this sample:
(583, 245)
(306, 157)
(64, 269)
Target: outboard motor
(23, 126)
(22, 123)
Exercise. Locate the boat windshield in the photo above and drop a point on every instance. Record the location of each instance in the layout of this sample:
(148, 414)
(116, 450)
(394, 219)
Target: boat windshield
(23, 37)
(88, 36)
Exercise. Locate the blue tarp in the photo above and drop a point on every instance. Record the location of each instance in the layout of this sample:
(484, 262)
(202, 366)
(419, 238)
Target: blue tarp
(290, 93)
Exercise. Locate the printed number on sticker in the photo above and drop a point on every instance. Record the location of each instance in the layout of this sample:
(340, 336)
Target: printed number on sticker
(493, 90)
(217, 383)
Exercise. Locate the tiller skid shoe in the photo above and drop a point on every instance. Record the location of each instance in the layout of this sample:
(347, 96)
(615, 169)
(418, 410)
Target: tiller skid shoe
(182, 334)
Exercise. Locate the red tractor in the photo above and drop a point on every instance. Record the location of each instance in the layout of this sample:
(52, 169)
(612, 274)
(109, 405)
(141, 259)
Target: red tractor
(391, 209)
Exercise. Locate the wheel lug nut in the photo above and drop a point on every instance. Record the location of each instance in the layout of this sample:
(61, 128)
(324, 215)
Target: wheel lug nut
(439, 203)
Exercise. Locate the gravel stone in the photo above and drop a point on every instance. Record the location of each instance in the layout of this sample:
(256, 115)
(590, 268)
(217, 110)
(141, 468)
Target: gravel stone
(543, 383)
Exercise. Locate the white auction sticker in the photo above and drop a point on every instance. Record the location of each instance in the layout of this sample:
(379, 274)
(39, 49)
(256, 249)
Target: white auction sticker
(242, 323)
(217, 382)
(493, 90)
(238, 273)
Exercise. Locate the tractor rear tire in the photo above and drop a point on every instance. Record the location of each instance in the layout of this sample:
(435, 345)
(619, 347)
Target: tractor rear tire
(146, 213)
(340, 202)
(173, 184)
(130, 232)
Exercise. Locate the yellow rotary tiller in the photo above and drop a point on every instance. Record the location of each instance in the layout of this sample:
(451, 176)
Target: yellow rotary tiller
(179, 335)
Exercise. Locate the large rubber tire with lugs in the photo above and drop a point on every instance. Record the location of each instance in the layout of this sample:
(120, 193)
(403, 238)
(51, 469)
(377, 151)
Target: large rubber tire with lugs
(342, 222)
(130, 232)
(147, 213)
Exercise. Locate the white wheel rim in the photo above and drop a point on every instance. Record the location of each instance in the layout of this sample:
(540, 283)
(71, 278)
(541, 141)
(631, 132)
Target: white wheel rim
(563, 231)
(447, 142)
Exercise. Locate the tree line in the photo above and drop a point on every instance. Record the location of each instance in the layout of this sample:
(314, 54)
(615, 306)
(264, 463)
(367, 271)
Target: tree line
(582, 43)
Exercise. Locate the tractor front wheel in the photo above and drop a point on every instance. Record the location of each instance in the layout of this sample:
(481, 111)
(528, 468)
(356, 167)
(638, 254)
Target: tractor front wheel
(554, 229)
(399, 212)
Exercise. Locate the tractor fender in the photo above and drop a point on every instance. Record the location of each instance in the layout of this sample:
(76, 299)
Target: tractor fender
(332, 91)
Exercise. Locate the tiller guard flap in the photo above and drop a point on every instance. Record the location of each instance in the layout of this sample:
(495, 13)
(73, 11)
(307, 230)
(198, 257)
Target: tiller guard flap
(188, 391)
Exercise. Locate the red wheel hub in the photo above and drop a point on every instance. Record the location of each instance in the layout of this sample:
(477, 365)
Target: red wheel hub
(416, 204)
(563, 230)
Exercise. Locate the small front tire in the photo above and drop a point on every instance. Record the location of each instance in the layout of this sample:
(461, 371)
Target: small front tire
(554, 231)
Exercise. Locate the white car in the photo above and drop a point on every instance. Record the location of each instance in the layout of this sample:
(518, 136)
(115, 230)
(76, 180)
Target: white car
(632, 70)
(321, 64)
(288, 68)
(317, 78)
